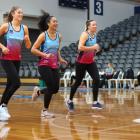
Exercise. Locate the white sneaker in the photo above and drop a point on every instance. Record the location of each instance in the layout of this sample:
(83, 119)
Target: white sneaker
(35, 93)
(3, 117)
(4, 112)
(45, 113)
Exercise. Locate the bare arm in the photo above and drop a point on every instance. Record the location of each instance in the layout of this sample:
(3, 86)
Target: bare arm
(82, 41)
(35, 49)
(59, 55)
(3, 30)
(26, 37)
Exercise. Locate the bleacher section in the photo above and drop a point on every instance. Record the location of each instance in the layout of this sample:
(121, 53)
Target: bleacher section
(120, 45)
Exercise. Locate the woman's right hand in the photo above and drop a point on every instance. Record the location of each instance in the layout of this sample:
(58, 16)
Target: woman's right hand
(5, 50)
(97, 48)
(49, 55)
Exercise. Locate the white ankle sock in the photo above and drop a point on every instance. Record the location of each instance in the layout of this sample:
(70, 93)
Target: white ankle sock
(95, 102)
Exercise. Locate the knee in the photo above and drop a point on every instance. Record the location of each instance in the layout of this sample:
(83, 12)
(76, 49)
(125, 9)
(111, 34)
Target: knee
(17, 85)
(77, 83)
(55, 90)
(96, 81)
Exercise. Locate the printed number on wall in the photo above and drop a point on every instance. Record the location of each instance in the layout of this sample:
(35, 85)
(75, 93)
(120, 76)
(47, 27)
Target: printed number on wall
(98, 7)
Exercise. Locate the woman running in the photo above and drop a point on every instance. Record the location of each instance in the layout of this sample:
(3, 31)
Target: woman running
(47, 47)
(85, 62)
(14, 33)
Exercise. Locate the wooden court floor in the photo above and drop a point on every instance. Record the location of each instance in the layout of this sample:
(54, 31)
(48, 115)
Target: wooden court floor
(114, 122)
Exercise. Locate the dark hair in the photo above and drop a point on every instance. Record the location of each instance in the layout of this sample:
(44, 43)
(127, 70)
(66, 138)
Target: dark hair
(88, 23)
(44, 20)
(13, 9)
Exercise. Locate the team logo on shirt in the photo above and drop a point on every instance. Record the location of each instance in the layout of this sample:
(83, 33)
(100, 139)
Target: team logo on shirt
(11, 31)
(90, 39)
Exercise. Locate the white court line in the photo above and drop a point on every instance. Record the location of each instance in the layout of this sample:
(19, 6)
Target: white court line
(119, 127)
(97, 131)
(121, 134)
(104, 131)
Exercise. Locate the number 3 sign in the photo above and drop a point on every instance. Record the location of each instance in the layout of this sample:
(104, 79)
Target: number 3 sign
(98, 7)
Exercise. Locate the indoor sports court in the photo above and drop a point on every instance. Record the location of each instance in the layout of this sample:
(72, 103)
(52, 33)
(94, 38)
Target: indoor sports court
(115, 121)
(70, 70)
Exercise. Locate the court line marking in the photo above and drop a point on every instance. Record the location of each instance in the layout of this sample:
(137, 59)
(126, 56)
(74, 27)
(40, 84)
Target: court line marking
(97, 131)
(124, 134)
(114, 128)
(84, 115)
(105, 131)
(52, 122)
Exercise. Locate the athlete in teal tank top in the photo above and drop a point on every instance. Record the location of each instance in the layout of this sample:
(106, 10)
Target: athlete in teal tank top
(50, 46)
(14, 34)
(13, 41)
(87, 57)
(47, 47)
(86, 65)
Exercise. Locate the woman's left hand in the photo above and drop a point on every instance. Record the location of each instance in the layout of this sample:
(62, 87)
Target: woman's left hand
(26, 38)
(62, 61)
(97, 48)
(27, 41)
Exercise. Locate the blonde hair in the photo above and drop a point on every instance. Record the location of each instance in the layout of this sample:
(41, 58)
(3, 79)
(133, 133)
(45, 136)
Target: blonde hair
(87, 24)
(13, 9)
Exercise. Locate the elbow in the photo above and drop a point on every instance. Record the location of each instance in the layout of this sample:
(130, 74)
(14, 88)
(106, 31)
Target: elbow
(28, 45)
(80, 48)
(32, 50)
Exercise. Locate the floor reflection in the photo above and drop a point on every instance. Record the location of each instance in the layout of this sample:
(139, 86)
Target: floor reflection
(109, 97)
(74, 132)
(43, 132)
(4, 130)
(92, 129)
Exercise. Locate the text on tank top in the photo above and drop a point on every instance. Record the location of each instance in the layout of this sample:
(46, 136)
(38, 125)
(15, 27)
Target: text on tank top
(50, 46)
(87, 57)
(13, 40)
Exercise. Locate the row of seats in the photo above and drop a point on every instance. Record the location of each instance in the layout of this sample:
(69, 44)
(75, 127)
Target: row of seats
(29, 73)
(119, 32)
(121, 81)
(124, 53)
(66, 78)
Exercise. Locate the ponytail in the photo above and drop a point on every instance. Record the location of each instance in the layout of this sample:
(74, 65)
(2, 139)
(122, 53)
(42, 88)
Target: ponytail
(87, 24)
(44, 20)
(13, 9)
